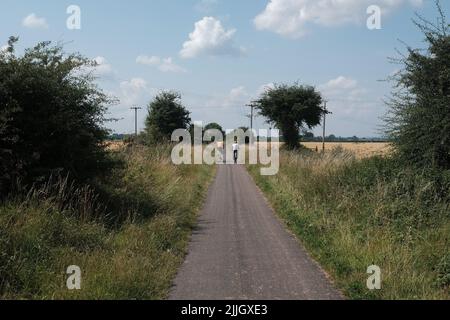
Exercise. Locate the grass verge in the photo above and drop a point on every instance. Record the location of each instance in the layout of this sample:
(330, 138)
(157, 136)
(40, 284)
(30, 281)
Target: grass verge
(351, 214)
(128, 234)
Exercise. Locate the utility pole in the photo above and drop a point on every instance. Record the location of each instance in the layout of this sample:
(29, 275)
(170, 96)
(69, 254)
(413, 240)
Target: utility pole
(252, 106)
(325, 111)
(136, 119)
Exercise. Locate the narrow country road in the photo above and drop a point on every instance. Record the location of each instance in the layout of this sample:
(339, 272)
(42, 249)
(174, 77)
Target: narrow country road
(240, 250)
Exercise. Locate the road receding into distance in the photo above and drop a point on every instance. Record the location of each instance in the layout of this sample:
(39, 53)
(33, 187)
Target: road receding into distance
(241, 251)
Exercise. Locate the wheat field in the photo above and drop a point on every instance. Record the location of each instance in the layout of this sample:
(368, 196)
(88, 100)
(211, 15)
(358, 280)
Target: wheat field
(360, 149)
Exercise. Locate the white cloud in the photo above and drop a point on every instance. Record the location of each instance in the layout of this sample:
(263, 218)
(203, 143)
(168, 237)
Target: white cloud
(150, 61)
(355, 109)
(342, 88)
(163, 64)
(133, 91)
(210, 38)
(168, 65)
(103, 67)
(262, 89)
(348, 98)
(34, 22)
(101, 70)
(338, 84)
(237, 97)
(291, 17)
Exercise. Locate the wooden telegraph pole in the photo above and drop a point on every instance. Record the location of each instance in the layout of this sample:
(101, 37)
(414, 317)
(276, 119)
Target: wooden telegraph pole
(251, 116)
(136, 119)
(252, 106)
(325, 112)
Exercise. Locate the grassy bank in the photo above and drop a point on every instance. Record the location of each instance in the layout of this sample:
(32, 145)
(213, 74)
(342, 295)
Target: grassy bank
(128, 235)
(351, 214)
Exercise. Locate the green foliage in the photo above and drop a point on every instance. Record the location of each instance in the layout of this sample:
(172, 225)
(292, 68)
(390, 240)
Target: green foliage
(291, 108)
(154, 204)
(165, 115)
(212, 126)
(351, 214)
(419, 118)
(51, 116)
(443, 270)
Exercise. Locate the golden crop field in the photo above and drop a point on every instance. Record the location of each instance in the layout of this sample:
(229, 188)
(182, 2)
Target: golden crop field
(360, 149)
(114, 145)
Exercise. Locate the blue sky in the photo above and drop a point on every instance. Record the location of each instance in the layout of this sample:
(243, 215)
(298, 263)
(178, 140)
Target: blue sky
(220, 54)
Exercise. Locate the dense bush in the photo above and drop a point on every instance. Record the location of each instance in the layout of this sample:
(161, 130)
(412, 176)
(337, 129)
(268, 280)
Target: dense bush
(51, 116)
(419, 119)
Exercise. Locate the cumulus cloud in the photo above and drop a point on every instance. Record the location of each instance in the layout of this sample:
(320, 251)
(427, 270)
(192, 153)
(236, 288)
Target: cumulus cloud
(167, 65)
(262, 89)
(34, 22)
(133, 91)
(355, 109)
(210, 38)
(163, 64)
(291, 17)
(237, 97)
(339, 84)
(103, 67)
(348, 98)
(150, 61)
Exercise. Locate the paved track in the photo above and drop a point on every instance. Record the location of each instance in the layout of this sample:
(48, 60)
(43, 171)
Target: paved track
(240, 250)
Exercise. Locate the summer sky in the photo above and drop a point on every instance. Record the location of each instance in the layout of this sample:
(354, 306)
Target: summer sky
(221, 54)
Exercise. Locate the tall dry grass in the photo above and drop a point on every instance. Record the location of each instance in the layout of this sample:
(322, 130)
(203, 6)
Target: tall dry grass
(128, 233)
(353, 213)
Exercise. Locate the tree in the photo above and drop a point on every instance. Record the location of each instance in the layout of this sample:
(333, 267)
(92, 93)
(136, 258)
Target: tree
(308, 135)
(291, 109)
(165, 115)
(419, 117)
(51, 116)
(249, 135)
(214, 126)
